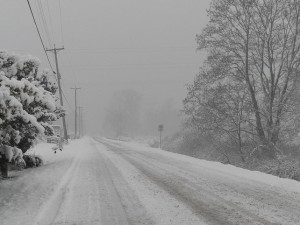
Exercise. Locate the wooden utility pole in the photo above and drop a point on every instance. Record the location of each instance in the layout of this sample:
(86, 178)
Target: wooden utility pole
(80, 131)
(76, 88)
(55, 50)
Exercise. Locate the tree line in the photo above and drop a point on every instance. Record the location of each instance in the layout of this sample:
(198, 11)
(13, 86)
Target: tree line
(246, 94)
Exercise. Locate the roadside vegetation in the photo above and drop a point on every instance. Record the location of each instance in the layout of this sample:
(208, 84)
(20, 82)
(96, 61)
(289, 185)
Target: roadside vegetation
(28, 106)
(243, 106)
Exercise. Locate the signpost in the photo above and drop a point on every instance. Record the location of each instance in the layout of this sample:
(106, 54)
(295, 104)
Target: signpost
(160, 129)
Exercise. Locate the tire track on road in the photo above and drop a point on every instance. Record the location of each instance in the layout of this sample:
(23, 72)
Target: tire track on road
(202, 202)
(98, 194)
(129, 206)
(50, 209)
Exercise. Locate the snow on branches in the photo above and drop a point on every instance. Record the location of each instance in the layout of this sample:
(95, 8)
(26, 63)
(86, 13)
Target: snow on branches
(28, 104)
(248, 88)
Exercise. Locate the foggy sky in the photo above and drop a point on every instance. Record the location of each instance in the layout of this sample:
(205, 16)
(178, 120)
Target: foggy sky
(112, 45)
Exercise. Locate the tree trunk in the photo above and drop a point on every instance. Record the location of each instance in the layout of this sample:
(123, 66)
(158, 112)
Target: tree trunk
(4, 168)
(240, 142)
(259, 126)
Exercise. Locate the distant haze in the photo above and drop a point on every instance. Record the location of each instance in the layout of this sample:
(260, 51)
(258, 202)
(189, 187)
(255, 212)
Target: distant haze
(112, 45)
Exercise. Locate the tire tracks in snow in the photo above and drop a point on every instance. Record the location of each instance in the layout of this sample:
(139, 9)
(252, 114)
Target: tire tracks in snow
(128, 207)
(50, 209)
(96, 194)
(202, 202)
(158, 204)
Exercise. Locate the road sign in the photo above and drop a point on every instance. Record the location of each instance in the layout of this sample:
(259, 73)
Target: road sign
(160, 127)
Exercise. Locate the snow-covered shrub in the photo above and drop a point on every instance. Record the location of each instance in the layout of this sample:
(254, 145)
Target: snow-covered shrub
(32, 161)
(284, 167)
(12, 154)
(27, 101)
(153, 143)
(191, 143)
(20, 163)
(39, 161)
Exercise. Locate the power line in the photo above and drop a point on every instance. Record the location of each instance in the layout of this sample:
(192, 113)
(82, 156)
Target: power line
(65, 97)
(134, 65)
(66, 100)
(42, 14)
(61, 24)
(132, 50)
(50, 19)
(68, 61)
(39, 21)
(40, 35)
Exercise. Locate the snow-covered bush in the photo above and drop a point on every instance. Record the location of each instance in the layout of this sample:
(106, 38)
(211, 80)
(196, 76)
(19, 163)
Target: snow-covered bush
(10, 153)
(284, 167)
(32, 161)
(27, 101)
(153, 143)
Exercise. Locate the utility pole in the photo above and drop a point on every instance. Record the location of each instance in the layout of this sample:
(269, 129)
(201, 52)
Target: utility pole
(80, 132)
(76, 88)
(55, 50)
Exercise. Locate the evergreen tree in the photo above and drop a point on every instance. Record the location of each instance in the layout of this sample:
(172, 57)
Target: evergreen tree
(27, 103)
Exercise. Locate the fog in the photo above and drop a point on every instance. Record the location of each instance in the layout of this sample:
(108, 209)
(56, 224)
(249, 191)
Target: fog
(112, 46)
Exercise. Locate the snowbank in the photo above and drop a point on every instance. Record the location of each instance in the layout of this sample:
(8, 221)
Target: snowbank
(225, 170)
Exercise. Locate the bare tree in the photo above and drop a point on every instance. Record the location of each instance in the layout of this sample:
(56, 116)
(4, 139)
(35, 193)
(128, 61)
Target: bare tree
(250, 78)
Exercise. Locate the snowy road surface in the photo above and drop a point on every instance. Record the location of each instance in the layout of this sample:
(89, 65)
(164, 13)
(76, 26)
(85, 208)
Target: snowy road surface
(101, 181)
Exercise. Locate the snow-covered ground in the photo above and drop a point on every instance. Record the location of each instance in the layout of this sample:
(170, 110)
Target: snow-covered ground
(100, 181)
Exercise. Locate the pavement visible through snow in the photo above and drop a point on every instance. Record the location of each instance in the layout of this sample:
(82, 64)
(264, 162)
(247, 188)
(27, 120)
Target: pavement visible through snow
(106, 182)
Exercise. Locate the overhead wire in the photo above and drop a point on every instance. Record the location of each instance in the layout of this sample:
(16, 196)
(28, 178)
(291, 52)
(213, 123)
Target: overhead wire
(68, 62)
(66, 99)
(40, 10)
(61, 23)
(50, 19)
(44, 25)
(40, 36)
(62, 39)
(130, 50)
(136, 65)
(39, 21)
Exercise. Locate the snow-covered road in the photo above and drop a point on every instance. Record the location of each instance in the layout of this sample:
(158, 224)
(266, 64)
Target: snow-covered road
(101, 181)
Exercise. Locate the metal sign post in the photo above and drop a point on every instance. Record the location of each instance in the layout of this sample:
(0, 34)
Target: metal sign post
(160, 129)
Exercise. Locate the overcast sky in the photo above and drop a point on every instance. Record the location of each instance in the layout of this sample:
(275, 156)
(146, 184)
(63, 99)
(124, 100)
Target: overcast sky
(111, 45)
